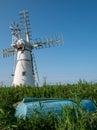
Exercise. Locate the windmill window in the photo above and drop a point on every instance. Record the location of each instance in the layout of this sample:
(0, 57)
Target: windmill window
(20, 48)
(24, 73)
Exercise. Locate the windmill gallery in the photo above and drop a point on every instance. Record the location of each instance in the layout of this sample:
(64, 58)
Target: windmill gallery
(25, 68)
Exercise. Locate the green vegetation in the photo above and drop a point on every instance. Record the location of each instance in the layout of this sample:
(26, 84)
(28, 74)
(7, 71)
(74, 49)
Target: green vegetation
(68, 121)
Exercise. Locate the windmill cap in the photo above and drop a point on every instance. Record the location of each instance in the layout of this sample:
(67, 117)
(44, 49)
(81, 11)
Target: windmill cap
(21, 43)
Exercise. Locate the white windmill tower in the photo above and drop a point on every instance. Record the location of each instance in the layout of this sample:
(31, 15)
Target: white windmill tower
(25, 68)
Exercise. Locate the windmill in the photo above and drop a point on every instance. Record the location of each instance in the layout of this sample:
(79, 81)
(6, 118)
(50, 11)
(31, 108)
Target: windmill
(25, 72)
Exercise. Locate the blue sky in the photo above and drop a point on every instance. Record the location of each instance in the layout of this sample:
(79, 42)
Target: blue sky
(76, 19)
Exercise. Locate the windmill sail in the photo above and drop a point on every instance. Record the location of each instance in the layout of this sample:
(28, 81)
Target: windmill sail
(25, 25)
(47, 41)
(8, 52)
(36, 76)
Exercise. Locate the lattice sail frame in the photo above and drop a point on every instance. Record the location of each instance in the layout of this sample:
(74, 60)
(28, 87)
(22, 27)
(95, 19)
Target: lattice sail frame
(25, 25)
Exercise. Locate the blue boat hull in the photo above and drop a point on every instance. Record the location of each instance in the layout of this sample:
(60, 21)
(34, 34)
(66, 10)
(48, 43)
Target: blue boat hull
(45, 105)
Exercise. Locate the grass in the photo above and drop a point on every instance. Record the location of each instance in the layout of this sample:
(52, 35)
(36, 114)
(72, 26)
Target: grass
(68, 121)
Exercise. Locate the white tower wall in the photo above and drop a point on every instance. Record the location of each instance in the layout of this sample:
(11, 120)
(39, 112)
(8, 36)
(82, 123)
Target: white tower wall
(23, 71)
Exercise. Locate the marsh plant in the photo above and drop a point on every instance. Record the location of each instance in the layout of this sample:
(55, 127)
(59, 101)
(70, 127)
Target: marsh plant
(70, 119)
